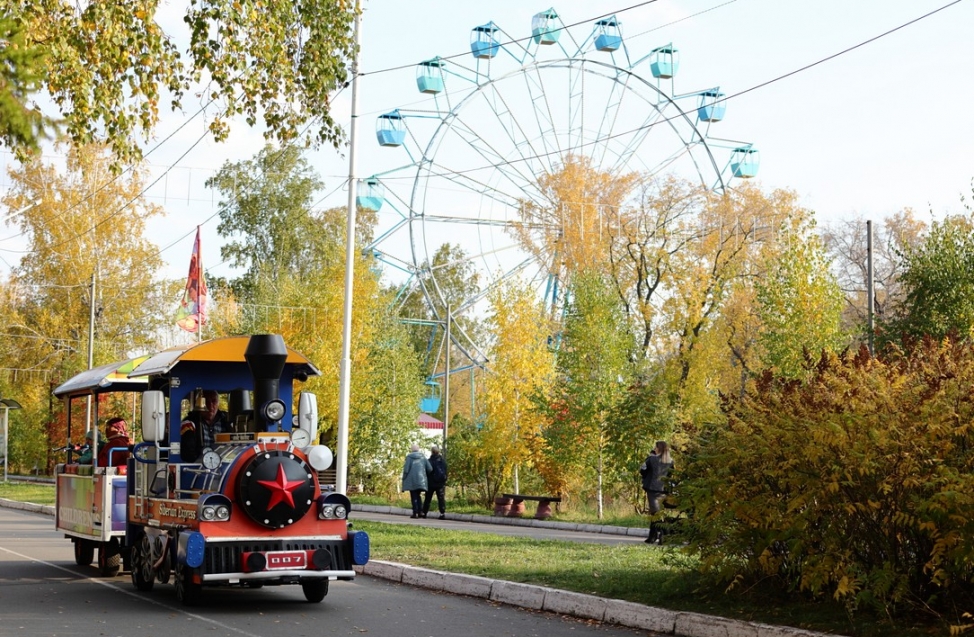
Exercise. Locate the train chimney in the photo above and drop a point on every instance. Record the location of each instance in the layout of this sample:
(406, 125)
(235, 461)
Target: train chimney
(265, 354)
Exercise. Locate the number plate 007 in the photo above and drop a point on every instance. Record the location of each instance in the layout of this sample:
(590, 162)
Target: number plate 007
(286, 559)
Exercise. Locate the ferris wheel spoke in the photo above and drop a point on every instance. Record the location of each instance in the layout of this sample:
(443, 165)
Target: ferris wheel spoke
(512, 186)
(607, 125)
(466, 181)
(519, 155)
(635, 138)
(544, 118)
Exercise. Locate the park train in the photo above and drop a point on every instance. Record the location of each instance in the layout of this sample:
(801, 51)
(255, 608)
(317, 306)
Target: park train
(250, 512)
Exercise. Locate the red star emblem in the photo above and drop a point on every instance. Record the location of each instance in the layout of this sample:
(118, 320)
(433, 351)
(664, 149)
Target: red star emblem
(281, 488)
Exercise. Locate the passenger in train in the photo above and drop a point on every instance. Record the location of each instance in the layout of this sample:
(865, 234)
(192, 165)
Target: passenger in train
(115, 452)
(89, 451)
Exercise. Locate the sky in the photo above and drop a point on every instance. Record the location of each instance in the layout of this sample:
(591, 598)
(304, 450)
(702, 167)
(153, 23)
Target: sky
(885, 126)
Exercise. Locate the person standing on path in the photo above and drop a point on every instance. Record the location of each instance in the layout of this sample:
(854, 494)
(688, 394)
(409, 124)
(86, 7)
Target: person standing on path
(414, 478)
(436, 482)
(654, 471)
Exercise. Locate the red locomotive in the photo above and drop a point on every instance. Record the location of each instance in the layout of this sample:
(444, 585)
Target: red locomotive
(249, 510)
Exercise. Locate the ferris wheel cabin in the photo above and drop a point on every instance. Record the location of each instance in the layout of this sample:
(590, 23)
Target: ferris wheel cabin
(664, 62)
(545, 28)
(390, 129)
(712, 106)
(370, 194)
(431, 400)
(429, 76)
(745, 161)
(609, 36)
(482, 42)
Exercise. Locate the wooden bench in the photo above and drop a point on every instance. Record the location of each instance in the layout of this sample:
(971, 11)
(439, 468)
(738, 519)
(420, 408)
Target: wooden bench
(516, 505)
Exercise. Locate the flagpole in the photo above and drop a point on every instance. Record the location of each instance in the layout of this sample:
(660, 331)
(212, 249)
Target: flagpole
(199, 300)
(341, 456)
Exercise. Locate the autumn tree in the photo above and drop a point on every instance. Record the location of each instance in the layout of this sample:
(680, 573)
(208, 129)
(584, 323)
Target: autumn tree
(799, 302)
(86, 251)
(22, 125)
(521, 365)
(108, 66)
(593, 372)
(570, 224)
(937, 278)
(847, 244)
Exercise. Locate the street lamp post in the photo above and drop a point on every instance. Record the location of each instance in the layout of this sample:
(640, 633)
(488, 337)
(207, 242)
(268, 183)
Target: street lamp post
(7, 404)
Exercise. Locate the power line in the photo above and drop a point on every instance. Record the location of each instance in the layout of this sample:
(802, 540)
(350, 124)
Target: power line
(517, 40)
(725, 98)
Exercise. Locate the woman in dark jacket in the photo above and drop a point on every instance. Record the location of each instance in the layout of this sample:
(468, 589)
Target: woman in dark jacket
(437, 483)
(654, 471)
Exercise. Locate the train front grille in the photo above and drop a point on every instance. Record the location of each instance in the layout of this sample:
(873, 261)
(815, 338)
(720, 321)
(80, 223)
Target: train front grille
(224, 557)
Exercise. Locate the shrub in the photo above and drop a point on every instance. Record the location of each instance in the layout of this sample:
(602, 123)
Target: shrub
(856, 483)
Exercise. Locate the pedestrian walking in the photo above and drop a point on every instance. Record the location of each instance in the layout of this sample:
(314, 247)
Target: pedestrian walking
(436, 483)
(654, 471)
(414, 478)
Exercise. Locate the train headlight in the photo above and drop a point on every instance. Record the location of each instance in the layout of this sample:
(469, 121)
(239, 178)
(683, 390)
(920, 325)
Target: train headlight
(274, 410)
(334, 506)
(216, 508)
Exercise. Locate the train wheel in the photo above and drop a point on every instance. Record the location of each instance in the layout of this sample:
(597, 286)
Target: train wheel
(187, 591)
(84, 552)
(143, 576)
(109, 558)
(315, 590)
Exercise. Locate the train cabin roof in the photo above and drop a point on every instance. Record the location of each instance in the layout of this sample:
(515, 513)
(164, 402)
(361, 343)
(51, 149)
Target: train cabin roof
(220, 350)
(133, 374)
(111, 377)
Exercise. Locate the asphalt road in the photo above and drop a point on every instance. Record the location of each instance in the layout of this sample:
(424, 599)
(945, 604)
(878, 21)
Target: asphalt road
(44, 593)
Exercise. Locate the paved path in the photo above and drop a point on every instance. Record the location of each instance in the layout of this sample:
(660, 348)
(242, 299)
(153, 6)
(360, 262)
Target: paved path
(522, 527)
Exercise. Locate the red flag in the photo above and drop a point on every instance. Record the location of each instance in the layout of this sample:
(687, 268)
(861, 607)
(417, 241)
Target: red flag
(192, 309)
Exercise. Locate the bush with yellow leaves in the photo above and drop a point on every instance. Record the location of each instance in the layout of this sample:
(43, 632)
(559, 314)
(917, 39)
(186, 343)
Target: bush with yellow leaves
(855, 483)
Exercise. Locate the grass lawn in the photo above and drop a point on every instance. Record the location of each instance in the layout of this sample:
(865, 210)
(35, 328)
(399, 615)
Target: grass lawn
(656, 576)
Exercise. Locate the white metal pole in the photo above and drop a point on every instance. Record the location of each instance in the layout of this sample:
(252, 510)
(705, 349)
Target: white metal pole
(91, 351)
(341, 453)
(6, 433)
(446, 377)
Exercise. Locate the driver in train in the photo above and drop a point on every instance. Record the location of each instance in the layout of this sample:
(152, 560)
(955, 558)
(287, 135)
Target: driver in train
(199, 428)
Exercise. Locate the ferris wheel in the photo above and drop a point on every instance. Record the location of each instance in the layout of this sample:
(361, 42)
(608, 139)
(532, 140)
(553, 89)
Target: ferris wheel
(468, 163)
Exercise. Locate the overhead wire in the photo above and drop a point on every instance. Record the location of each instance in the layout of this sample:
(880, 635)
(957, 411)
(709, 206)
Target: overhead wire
(723, 99)
(198, 141)
(507, 162)
(515, 40)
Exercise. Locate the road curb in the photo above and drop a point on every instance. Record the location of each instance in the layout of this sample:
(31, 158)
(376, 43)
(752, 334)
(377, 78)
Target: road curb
(609, 611)
(27, 506)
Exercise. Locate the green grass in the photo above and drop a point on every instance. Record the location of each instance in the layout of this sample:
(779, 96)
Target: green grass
(656, 576)
(23, 492)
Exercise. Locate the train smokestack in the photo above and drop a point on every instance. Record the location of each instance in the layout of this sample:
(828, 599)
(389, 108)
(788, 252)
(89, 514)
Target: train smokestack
(266, 355)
